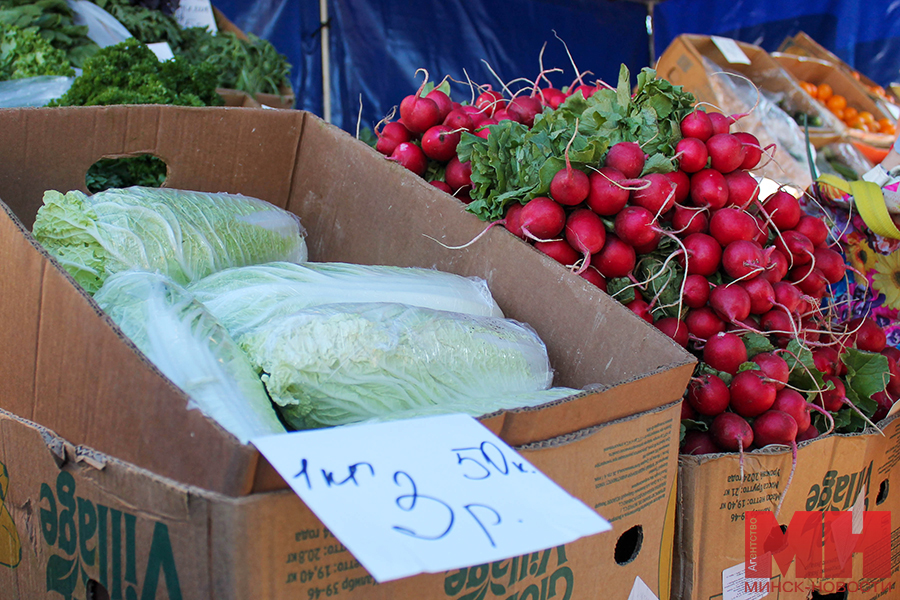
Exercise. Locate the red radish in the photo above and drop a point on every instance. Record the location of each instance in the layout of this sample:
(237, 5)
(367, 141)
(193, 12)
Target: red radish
(463, 195)
(607, 195)
(675, 329)
(682, 183)
(787, 295)
(866, 334)
(810, 280)
(743, 259)
(559, 250)
(709, 188)
(585, 233)
(616, 259)
(725, 352)
(439, 143)
(731, 302)
(640, 307)
(524, 109)
(657, 197)
(825, 359)
(419, 113)
(444, 104)
(743, 189)
(793, 403)
(833, 399)
(762, 229)
(725, 152)
(634, 225)
(410, 156)
(696, 124)
(442, 185)
(774, 368)
(585, 90)
(570, 187)
(458, 119)
(484, 131)
(477, 115)
(761, 293)
(778, 322)
(458, 174)
(885, 402)
(774, 427)
(627, 157)
(731, 432)
(752, 150)
(813, 228)
(698, 442)
(696, 291)
(703, 323)
(811, 433)
(543, 218)
(708, 395)
(391, 135)
(594, 276)
(704, 254)
(809, 329)
(687, 412)
(893, 384)
(776, 266)
(783, 209)
(552, 97)
(692, 155)
(731, 224)
(489, 101)
(751, 395)
(720, 123)
(686, 221)
(512, 220)
(830, 263)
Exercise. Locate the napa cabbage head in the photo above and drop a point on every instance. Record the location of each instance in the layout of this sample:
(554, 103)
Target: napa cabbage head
(178, 335)
(345, 363)
(243, 298)
(182, 234)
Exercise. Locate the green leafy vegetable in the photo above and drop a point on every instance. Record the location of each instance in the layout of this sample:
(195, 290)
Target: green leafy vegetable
(53, 20)
(24, 53)
(516, 164)
(129, 73)
(145, 171)
(189, 346)
(143, 22)
(182, 234)
(756, 344)
(344, 363)
(243, 298)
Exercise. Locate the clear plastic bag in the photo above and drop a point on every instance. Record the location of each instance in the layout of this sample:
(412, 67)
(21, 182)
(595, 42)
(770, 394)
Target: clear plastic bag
(33, 91)
(103, 28)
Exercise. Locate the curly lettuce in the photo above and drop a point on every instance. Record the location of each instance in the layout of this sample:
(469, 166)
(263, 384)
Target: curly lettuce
(182, 234)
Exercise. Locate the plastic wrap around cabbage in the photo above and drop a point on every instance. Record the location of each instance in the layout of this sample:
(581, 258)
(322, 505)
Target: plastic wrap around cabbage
(344, 363)
(189, 346)
(182, 234)
(245, 297)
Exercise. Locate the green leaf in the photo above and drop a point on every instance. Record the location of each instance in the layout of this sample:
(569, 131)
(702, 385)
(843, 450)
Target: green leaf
(749, 366)
(756, 343)
(803, 372)
(867, 372)
(705, 369)
(615, 287)
(695, 425)
(658, 163)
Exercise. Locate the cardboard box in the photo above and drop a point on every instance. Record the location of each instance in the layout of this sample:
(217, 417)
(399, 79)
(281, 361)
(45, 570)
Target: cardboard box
(696, 63)
(66, 366)
(74, 522)
(801, 44)
(818, 71)
(237, 98)
(831, 475)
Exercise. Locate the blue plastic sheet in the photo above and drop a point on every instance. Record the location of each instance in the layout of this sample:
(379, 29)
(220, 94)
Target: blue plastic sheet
(376, 46)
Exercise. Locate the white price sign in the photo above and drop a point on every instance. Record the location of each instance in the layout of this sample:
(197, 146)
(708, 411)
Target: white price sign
(427, 495)
(196, 13)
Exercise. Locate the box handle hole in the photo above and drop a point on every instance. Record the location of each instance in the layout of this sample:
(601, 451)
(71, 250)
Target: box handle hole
(144, 170)
(95, 591)
(841, 594)
(628, 546)
(882, 492)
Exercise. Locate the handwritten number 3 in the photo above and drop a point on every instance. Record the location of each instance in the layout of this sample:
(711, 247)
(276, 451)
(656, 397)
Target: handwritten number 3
(411, 504)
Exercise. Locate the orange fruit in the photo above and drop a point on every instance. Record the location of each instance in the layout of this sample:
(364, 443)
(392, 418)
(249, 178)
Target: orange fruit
(838, 112)
(889, 130)
(855, 122)
(835, 102)
(884, 124)
(849, 113)
(867, 117)
(824, 92)
(809, 88)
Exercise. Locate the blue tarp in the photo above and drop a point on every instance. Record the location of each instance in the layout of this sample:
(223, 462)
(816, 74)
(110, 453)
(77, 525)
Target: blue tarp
(377, 46)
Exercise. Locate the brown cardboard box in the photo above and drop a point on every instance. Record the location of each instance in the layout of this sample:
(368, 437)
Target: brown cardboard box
(818, 71)
(831, 474)
(73, 520)
(66, 366)
(801, 44)
(696, 63)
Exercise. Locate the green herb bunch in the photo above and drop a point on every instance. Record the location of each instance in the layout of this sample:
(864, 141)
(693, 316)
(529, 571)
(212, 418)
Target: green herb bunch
(24, 53)
(143, 22)
(129, 73)
(53, 21)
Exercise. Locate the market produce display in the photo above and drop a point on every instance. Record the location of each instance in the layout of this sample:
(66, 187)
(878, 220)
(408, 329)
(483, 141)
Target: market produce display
(653, 199)
(24, 53)
(850, 115)
(53, 20)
